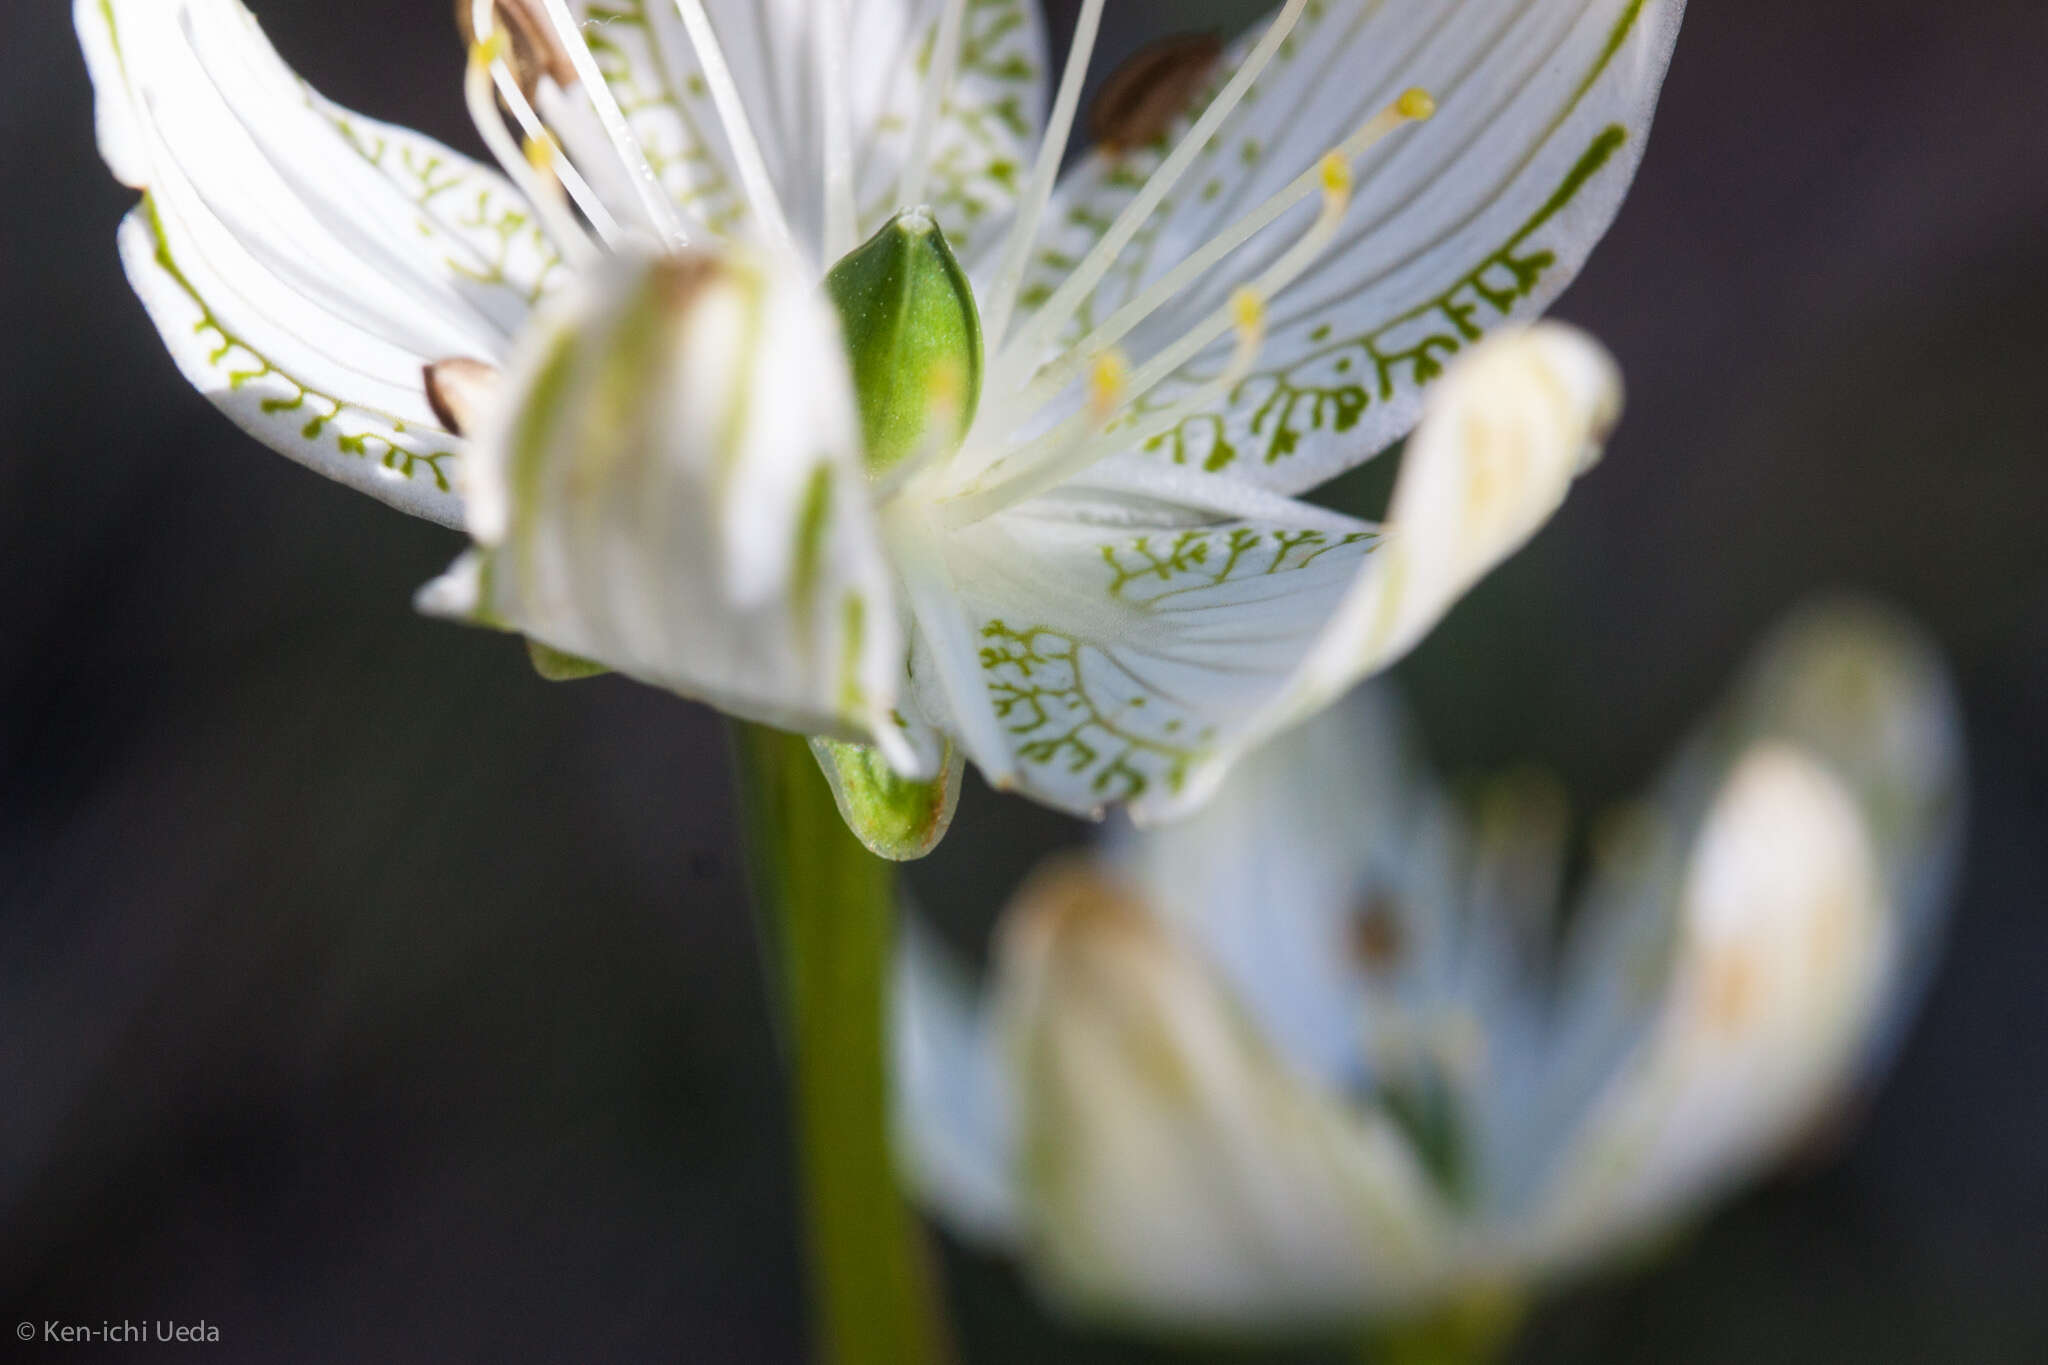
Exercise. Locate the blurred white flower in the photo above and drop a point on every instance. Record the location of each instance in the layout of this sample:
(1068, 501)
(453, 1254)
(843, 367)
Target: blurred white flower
(1086, 573)
(1328, 1051)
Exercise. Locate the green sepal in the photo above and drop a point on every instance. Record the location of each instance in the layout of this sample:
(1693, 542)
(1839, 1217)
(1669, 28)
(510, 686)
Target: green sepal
(556, 666)
(913, 335)
(896, 817)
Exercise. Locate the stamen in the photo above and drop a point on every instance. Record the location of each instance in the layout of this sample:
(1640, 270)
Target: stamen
(1079, 445)
(1142, 98)
(842, 228)
(479, 92)
(547, 157)
(646, 185)
(1044, 176)
(1411, 107)
(457, 391)
(1065, 301)
(937, 91)
(739, 133)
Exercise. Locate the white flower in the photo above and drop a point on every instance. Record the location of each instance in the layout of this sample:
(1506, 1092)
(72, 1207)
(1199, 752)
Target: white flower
(1105, 592)
(1328, 1050)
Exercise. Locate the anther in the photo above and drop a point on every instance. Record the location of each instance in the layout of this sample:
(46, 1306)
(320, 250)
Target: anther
(458, 389)
(522, 35)
(1142, 98)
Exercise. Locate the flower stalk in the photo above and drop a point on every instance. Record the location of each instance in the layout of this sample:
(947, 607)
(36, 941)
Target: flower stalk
(828, 913)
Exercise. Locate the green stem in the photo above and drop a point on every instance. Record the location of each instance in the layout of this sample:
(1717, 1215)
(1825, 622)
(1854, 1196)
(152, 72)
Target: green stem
(1478, 1328)
(828, 913)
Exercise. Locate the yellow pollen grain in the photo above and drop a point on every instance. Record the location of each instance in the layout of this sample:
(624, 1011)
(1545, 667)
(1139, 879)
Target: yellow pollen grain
(1416, 103)
(489, 50)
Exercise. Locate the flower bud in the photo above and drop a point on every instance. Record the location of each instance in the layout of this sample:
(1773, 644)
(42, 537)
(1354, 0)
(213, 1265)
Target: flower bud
(913, 335)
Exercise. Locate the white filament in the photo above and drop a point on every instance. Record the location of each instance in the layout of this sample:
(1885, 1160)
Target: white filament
(1062, 372)
(836, 107)
(653, 198)
(555, 219)
(1078, 286)
(938, 89)
(1044, 176)
(739, 133)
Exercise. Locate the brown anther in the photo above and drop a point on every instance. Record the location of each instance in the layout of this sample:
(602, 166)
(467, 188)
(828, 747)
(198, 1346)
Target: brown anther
(1377, 938)
(534, 51)
(1142, 98)
(457, 390)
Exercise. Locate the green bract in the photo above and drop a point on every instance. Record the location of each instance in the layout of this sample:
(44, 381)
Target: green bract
(914, 338)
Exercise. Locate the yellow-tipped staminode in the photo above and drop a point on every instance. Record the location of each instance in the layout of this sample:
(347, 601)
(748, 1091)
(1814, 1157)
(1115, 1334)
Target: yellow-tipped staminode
(1107, 381)
(1336, 169)
(1248, 313)
(1416, 103)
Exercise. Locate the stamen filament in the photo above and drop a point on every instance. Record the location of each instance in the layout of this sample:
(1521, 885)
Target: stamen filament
(938, 89)
(480, 94)
(842, 229)
(1044, 176)
(725, 96)
(1067, 451)
(1065, 301)
(536, 133)
(646, 185)
(1081, 442)
(1411, 107)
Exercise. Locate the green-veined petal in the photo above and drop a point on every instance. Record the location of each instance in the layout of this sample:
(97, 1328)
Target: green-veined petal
(303, 263)
(1458, 226)
(981, 150)
(1129, 649)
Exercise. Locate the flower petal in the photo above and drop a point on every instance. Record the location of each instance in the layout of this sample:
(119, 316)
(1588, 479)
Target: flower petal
(771, 47)
(303, 263)
(1132, 646)
(954, 1107)
(672, 487)
(1177, 1170)
(1469, 222)
(1775, 965)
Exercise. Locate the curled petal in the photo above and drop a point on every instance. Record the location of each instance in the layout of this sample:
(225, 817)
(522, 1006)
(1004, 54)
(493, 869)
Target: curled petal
(669, 485)
(302, 262)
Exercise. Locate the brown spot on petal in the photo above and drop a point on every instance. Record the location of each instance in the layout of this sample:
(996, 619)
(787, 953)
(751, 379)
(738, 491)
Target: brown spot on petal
(535, 51)
(457, 390)
(1142, 98)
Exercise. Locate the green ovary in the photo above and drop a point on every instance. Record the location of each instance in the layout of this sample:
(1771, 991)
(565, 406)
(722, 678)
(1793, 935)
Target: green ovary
(913, 335)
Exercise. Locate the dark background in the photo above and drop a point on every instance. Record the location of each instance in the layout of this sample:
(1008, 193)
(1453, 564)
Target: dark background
(370, 999)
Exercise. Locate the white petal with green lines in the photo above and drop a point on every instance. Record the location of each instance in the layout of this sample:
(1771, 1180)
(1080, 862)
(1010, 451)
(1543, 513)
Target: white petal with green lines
(302, 262)
(1132, 640)
(1473, 220)
(981, 151)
